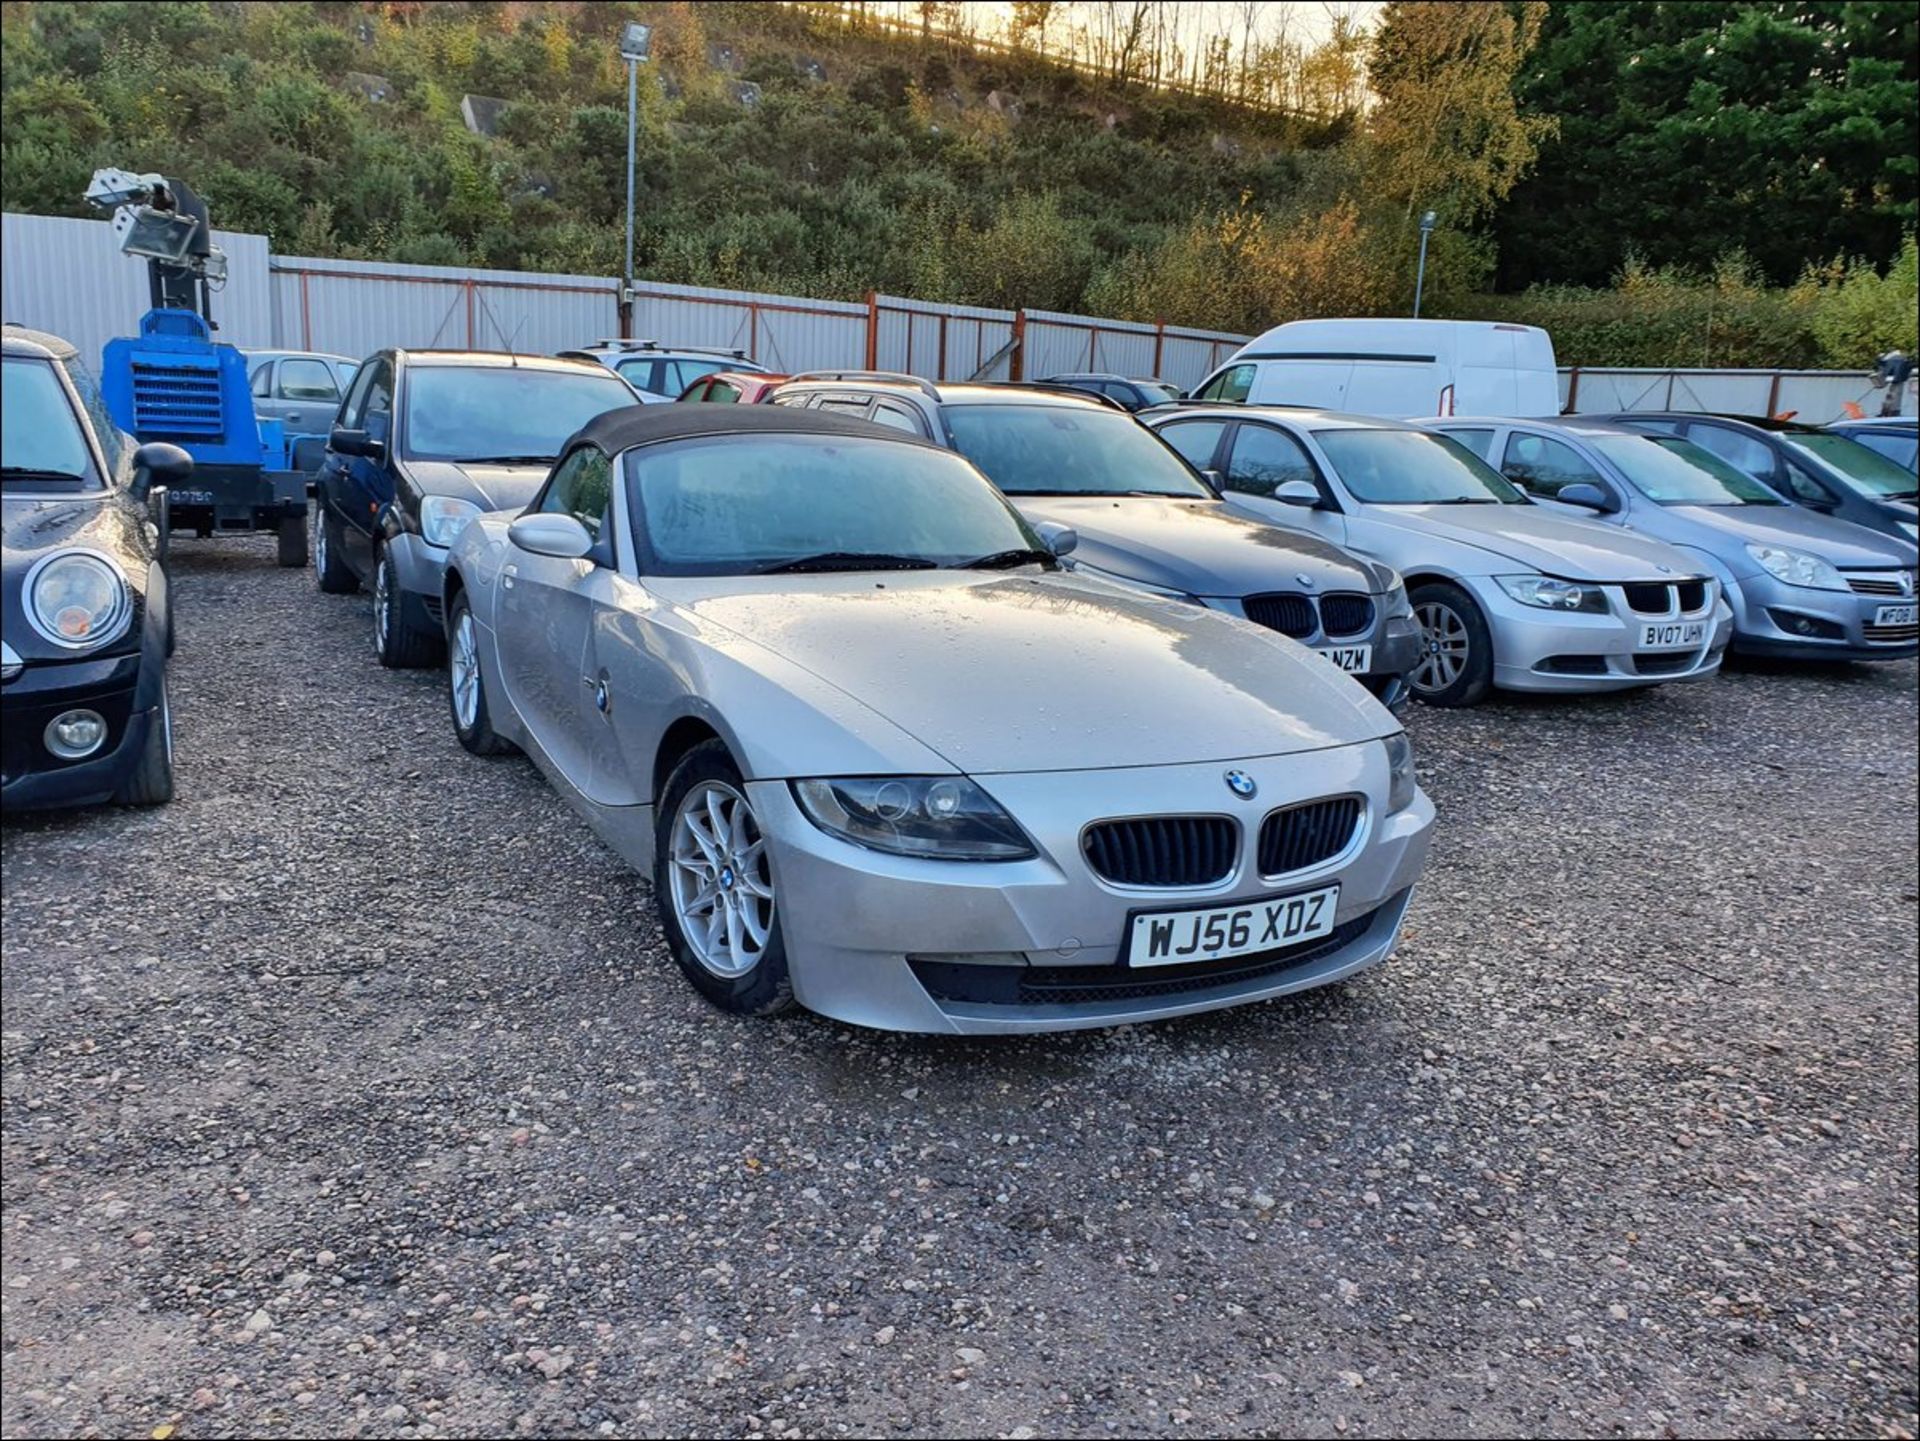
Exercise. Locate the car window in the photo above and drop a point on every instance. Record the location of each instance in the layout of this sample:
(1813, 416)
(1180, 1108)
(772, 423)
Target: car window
(581, 488)
(843, 404)
(1543, 466)
(1195, 439)
(346, 370)
(354, 411)
(1746, 452)
(1413, 467)
(307, 380)
(797, 399)
(1479, 441)
(679, 374)
(42, 433)
(1068, 450)
(644, 375)
(730, 505)
(503, 413)
(376, 416)
(1263, 458)
(1157, 392)
(1867, 471)
(112, 440)
(722, 392)
(1671, 471)
(897, 416)
(1651, 427)
(261, 380)
(1802, 485)
(1231, 384)
(1902, 447)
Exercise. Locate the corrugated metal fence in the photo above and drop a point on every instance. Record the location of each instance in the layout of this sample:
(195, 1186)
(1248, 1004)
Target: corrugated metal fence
(67, 276)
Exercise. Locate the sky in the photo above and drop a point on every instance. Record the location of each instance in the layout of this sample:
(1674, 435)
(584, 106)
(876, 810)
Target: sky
(1305, 20)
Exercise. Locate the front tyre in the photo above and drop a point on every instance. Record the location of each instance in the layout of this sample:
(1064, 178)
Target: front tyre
(330, 570)
(150, 782)
(398, 645)
(466, 693)
(1455, 667)
(713, 885)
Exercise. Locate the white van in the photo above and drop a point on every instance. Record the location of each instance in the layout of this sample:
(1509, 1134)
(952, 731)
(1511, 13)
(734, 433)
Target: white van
(1405, 369)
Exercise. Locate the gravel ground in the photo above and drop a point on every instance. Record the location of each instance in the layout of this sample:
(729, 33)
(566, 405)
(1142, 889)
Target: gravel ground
(353, 1093)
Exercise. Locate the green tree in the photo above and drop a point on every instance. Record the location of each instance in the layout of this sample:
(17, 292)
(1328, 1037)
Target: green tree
(1785, 130)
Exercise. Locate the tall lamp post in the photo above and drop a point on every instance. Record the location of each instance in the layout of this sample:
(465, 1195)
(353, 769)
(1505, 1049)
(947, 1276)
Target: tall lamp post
(1420, 280)
(635, 41)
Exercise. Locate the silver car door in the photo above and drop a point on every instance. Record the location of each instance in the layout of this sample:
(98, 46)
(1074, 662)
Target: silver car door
(543, 613)
(1262, 457)
(306, 394)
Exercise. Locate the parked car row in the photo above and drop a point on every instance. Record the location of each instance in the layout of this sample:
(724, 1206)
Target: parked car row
(1088, 712)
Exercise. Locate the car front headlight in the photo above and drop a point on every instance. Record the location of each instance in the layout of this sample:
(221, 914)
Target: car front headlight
(1546, 593)
(1393, 586)
(1400, 784)
(935, 817)
(1796, 567)
(442, 517)
(78, 599)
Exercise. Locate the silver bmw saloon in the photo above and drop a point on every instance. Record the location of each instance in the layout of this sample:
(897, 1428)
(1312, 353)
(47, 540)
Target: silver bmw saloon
(884, 758)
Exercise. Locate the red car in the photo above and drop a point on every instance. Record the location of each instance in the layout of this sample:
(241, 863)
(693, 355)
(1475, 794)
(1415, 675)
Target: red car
(732, 387)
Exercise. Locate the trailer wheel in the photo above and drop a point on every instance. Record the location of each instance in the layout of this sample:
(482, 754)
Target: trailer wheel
(293, 541)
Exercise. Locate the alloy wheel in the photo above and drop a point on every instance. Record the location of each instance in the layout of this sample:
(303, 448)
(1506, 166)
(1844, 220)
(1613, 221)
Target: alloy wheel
(381, 588)
(319, 543)
(1445, 642)
(463, 672)
(722, 888)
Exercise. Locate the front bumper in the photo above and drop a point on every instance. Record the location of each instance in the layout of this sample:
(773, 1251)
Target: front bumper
(236, 498)
(1773, 618)
(917, 945)
(1394, 638)
(420, 571)
(1543, 650)
(31, 776)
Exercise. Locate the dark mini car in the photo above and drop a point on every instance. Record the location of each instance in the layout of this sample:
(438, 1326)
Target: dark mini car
(1128, 392)
(1141, 515)
(88, 627)
(425, 441)
(1807, 464)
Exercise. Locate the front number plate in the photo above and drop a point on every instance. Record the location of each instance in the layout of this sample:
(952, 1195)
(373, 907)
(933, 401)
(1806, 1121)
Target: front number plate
(1218, 933)
(1896, 614)
(1673, 635)
(1349, 658)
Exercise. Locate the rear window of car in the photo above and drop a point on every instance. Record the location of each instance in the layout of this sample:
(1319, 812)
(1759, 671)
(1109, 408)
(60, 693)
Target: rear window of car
(1865, 470)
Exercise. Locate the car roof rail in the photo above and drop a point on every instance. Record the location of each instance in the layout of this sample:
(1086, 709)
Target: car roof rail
(1060, 387)
(884, 377)
(1067, 377)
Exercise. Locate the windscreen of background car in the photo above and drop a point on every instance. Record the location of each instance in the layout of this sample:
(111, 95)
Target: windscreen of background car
(1901, 445)
(1067, 450)
(471, 412)
(1866, 471)
(1411, 467)
(1158, 392)
(733, 505)
(41, 442)
(1670, 471)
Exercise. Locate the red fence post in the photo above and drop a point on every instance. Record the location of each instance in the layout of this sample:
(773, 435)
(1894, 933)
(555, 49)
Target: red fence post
(873, 330)
(1017, 362)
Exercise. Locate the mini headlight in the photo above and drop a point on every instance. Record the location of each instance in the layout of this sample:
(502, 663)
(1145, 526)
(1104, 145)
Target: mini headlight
(442, 517)
(938, 817)
(1400, 783)
(78, 599)
(1547, 593)
(1796, 567)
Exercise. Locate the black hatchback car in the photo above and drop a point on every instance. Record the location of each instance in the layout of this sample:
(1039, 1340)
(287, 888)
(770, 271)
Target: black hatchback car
(1808, 464)
(424, 441)
(88, 625)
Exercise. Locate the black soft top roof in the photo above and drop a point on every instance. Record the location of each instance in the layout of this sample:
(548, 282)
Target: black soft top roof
(617, 430)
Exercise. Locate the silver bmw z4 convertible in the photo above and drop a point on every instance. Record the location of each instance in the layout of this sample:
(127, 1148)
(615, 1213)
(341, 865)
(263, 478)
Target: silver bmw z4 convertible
(883, 757)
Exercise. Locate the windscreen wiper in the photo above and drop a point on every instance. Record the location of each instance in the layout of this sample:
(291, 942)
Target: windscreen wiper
(847, 560)
(1008, 559)
(34, 472)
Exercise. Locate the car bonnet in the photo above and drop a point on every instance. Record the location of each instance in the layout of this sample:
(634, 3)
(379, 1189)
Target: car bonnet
(1534, 538)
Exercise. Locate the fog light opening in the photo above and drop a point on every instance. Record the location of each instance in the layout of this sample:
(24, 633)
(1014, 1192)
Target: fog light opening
(76, 734)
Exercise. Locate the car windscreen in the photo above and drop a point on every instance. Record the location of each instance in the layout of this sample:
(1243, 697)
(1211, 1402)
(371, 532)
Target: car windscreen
(502, 413)
(742, 504)
(1670, 471)
(1866, 471)
(41, 445)
(1069, 450)
(1158, 391)
(1899, 445)
(1413, 467)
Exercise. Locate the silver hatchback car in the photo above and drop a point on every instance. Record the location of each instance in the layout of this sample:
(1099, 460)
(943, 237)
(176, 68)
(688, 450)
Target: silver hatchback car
(1508, 592)
(882, 757)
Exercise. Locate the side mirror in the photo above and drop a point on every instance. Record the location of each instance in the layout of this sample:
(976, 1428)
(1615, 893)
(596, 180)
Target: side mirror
(1297, 492)
(1216, 482)
(158, 463)
(560, 536)
(1586, 495)
(1058, 539)
(356, 442)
